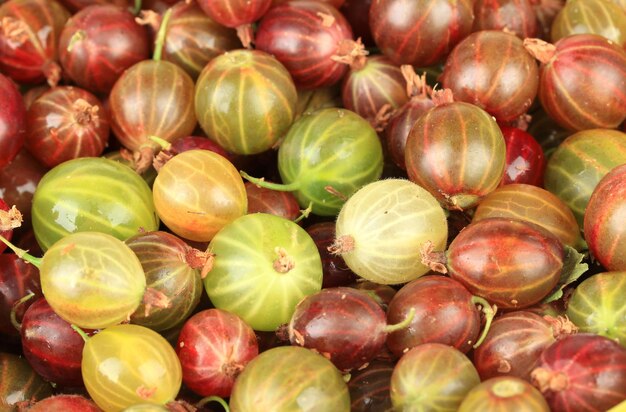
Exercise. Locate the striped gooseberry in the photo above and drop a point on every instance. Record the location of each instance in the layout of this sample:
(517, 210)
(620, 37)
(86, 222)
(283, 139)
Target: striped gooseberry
(432, 376)
(336, 272)
(326, 156)
(504, 394)
(419, 32)
(515, 341)
(263, 200)
(98, 43)
(29, 38)
(62, 402)
(65, 123)
(456, 151)
(51, 346)
(533, 204)
(12, 121)
(511, 263)
(580, 162)
(91, 194)
(605, 18)
(193, 38)
(237, 14)
(525, 160)
(516, 16)
(18, 279)
(582, 81)
(445, 312)
(604, 232)
(294, 378)
(492, 70)
(346, 325)
(127, 364)
(245, 101)
(90, 279)
(596, 305)
(369, 386)
(141, 107)
(198, 192)
(19, 382)
(264, 265)
(306, 36)
(546, 11)
(381, 228)
(213, 347)
(582, 369)
(172, 268)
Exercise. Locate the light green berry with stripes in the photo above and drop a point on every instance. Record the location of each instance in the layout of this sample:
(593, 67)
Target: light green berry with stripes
(125, 365)
(245, 101)
(91, 194)
(92, 280)
(264, 265)
(290, 379)
(326, 156)
(382, 229)
(597, 305)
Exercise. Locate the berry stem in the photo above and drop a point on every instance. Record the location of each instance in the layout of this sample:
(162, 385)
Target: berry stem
(213, 399)
(81, 333)
(137, 7)
(489, 312)
(160, 40)
(17, 325)
(23, 254)
(406, 322)
(269, 185)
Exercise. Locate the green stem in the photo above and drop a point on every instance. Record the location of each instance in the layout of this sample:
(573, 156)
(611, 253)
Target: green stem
(160, 40)
(81, 333)
(406, 322)
(23, 254)
(137, 8)
(489, 312)
(269, 185)
(213, 399)
(165, 145)
(304, 213)
(17, 325)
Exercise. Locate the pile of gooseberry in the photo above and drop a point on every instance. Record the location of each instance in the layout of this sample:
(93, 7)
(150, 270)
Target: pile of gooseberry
(312, 205)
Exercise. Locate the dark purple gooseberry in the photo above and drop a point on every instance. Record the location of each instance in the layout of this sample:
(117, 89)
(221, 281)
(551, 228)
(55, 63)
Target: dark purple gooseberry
(419, 32)
(515, 341)
(237, 14)
(546, 11)
(98, 43)
(62, 403)
(511, 263)
(382, 294)
(304, 36)
(12, 121)
(604, 233)
(263, 200)
(373, 87)
(514, 16)
(172, 270)
(76, 5)
(19, 383)
(492, 70)
(336, 272)
(193, 38)
(18, 181)
(525, 162)
(25, 57)
(582, 373)
(51, 346)
(445, 312)
(401, 122)
(357, 13)
(582, 81)
(369, 387)
(343, 324)
(17, 279)
(65, 123)
(214, 346)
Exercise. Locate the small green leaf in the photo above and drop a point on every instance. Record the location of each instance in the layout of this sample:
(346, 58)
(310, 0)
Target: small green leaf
(573, 268)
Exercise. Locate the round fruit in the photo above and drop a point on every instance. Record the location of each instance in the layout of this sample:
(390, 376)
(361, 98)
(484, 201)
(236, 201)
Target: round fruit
(504, 394)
